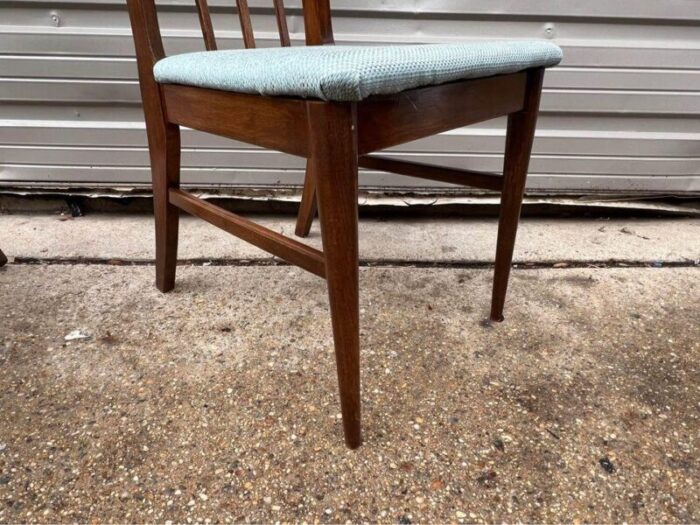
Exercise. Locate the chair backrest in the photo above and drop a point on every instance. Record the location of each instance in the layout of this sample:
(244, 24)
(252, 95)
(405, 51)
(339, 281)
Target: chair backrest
(246, 24)
(149, 46)
(149, 43)
(317, 22)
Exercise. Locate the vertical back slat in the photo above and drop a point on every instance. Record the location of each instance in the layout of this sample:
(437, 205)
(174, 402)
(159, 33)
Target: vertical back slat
(317, 23)
(246, 23)
(206, 25)
(282, 23)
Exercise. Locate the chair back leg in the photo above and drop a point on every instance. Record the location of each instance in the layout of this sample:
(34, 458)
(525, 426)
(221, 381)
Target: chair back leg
(519, 140)
(333, 159)
(165, 171)
(307, 208)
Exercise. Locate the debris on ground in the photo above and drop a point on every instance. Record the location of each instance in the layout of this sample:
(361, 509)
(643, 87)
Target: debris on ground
(76, 335)
(607, 465)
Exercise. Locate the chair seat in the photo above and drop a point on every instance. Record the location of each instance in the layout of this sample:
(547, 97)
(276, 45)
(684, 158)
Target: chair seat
(352, 73)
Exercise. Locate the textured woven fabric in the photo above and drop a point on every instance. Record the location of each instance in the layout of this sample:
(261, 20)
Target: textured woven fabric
(351, 73)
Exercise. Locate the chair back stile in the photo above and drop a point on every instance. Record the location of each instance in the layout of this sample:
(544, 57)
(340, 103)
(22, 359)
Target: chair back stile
(317, 22)
(147, 37)
(149, 50)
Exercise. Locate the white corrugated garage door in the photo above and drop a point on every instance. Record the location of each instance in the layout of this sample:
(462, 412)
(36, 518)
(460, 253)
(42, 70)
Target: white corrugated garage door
(621, 114)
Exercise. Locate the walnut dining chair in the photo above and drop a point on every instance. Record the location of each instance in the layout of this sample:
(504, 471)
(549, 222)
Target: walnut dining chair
(334, 106)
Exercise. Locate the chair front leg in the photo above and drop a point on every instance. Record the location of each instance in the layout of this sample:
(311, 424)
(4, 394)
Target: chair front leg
(307, 207)
(519, 140)
(165, 171)
(333, 152)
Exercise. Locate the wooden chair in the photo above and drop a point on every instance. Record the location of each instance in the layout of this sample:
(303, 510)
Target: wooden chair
(336, 136)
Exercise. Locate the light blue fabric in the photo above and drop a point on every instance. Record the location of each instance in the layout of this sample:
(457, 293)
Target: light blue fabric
(351, 73)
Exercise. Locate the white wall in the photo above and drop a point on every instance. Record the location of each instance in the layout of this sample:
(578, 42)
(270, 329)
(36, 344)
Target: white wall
(622, 113)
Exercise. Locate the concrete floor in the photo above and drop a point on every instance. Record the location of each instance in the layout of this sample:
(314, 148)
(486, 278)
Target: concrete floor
(428, 240)
(218, 402)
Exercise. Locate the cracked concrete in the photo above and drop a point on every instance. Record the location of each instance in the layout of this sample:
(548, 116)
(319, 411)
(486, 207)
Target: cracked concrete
(441, 240)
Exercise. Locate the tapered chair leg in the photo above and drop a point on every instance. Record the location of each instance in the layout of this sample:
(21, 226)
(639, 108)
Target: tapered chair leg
(307, 208)
(519, 140)
(165, 167)
(333, 150)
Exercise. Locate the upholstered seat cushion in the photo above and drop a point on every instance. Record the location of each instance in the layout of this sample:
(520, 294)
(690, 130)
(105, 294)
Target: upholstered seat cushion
(352, 73)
